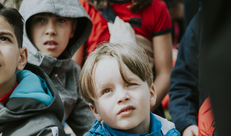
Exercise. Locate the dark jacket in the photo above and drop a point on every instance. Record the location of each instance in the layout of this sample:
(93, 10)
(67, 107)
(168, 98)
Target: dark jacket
(34, 107)
(158, 127)
(186, 93)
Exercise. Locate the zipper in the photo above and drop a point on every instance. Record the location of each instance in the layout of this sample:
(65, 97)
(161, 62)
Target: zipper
(56, 75)
(101, 122)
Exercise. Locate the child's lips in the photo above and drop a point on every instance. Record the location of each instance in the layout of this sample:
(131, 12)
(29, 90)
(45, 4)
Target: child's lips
(51, 44)
(127, 110)
(51, 47)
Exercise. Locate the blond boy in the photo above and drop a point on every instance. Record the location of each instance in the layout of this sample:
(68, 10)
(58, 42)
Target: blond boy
(117, 83)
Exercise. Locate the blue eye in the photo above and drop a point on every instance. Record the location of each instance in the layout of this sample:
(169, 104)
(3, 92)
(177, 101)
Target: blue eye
(39, 19)
(61, 20)
(4, 39)
(106, 91)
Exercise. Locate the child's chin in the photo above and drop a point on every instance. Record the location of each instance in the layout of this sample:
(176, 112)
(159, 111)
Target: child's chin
(127, 125)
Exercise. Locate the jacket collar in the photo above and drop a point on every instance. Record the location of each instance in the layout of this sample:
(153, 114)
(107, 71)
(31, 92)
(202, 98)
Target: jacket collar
(105, 130)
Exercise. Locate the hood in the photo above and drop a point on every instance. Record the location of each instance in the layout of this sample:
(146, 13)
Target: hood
(65, 8)
(34, 95)
(32, 86)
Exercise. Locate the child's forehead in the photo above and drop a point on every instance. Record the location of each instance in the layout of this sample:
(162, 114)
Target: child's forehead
(48, 15)
(122, 67)
(6, 28)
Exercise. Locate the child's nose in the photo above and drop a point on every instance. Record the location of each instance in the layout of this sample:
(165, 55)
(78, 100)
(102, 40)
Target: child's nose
(51, 29)
(123, 96)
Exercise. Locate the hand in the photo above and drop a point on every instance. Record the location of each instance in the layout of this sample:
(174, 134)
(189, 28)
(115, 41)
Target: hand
(191, 131)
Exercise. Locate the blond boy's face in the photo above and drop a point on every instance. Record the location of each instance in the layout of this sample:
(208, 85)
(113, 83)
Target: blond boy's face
(51, 33)
(10, 56)
(120, 105)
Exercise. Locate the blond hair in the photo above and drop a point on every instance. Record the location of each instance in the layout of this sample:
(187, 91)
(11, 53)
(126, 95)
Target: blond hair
(130, 54)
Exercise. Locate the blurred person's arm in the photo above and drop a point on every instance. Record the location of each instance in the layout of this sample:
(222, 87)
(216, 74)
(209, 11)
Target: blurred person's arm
(162, 48)
(78, 56)
(184, 91)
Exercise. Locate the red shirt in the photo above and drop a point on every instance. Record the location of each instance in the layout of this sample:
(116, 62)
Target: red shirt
(152, 21)
(5, 98)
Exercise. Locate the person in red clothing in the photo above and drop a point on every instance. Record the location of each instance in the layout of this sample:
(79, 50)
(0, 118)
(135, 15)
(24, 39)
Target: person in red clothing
(152, 25)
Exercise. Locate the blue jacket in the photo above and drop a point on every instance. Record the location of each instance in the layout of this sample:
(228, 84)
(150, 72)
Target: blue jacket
(34, 107)
(159, 127)
(186, 93)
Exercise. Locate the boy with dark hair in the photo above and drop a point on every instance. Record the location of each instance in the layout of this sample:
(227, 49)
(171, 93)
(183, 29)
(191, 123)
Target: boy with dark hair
(28, 103)
(54, 30)
(117, 82)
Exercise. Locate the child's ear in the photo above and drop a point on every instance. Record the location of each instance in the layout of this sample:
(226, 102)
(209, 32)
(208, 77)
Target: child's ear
(74, 24)
(95, 112)
(22, 59)
(152, 95)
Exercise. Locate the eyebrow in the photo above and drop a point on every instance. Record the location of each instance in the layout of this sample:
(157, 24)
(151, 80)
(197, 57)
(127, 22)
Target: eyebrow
(132, 79)
(6, 33)
(48, 14)
(101, 85)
